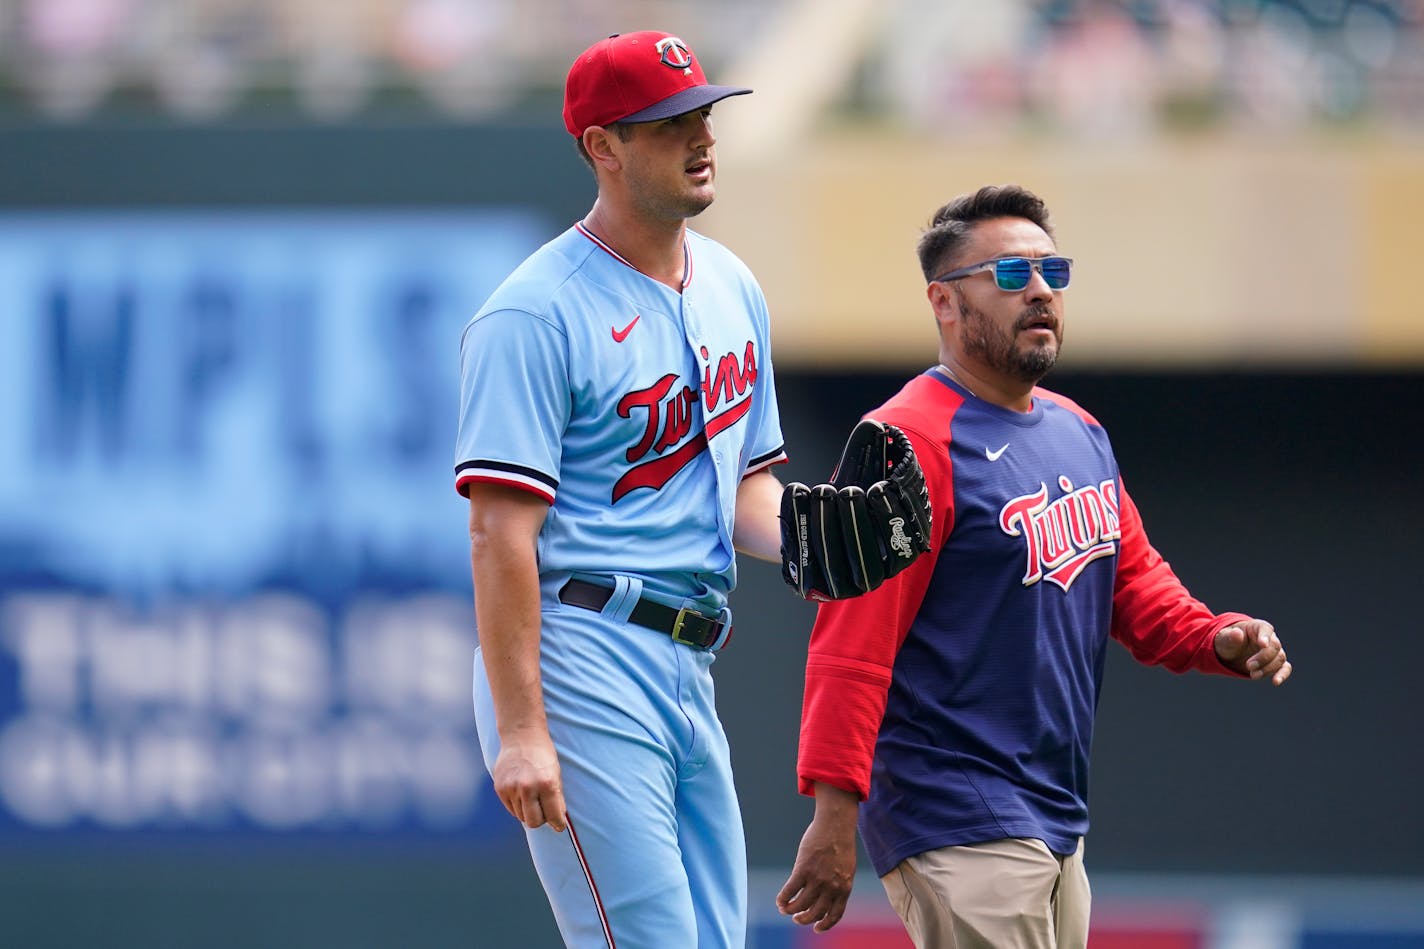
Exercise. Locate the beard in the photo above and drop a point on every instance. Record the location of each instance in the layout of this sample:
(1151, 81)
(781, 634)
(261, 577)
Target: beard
(999, 349)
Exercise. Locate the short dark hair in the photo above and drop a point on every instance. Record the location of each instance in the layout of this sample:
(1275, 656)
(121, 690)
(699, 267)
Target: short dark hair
(952, 224)
(624, 131)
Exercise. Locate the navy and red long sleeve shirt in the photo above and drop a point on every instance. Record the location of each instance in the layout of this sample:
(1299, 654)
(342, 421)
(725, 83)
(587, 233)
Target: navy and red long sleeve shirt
(958, 699)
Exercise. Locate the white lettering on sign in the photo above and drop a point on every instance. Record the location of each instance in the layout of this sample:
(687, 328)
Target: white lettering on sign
(255, 710)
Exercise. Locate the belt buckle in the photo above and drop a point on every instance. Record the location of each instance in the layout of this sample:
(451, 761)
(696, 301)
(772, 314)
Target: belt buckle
(677, 625)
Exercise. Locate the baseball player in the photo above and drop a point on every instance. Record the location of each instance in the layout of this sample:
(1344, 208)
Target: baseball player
(951, 710)
(617, 425)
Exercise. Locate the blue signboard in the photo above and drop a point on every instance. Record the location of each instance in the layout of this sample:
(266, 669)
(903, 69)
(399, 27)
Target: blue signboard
(234, 572)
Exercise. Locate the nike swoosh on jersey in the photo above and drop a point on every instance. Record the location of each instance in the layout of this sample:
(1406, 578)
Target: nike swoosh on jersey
(995, 455)
(620, 335)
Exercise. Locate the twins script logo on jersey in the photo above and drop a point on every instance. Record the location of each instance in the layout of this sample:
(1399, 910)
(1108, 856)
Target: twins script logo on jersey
(726, 398)
(1065, 535)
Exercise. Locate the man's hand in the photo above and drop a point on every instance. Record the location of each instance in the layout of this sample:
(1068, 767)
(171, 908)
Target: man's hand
(821, 880)
(528, 781)
(1251, 647)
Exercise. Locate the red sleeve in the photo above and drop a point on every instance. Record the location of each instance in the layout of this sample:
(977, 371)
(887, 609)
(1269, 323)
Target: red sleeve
(1153, 614)
(853, 648)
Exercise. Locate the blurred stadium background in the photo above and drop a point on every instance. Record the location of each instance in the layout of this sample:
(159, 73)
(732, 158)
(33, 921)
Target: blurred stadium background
(238, 239)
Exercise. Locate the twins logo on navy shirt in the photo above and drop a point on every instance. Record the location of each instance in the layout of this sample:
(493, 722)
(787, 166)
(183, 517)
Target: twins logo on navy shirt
(669, 416)
(1064, 536)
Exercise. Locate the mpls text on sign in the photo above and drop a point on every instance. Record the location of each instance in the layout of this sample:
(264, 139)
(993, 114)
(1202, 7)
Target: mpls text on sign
(233, 569)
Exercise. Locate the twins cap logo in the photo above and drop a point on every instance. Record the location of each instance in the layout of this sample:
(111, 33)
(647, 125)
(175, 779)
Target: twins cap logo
(675, 53)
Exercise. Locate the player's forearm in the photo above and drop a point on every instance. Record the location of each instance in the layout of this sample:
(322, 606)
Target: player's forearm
(504, 566)
(507, 616)
(757, 529)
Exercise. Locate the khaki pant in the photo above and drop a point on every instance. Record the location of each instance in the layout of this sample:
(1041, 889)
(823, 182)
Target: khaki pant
(1004, 894)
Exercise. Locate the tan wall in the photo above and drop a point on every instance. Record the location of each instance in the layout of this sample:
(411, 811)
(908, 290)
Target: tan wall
(1204, 252)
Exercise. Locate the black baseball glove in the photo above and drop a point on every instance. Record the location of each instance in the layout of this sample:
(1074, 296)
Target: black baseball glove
(872, 520)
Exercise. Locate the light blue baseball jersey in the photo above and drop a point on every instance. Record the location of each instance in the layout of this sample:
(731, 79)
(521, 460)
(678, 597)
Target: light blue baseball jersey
(636, 411)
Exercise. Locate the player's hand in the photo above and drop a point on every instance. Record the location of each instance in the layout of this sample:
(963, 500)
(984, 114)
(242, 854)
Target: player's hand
(1251, 647)
(824, 872)
(528, 781)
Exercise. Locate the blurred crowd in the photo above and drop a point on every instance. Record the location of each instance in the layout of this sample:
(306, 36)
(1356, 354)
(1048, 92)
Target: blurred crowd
(1092, 67)
(67, 59)
(1126, 67)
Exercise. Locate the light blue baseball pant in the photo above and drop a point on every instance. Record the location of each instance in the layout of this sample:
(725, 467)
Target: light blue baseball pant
(655, 854)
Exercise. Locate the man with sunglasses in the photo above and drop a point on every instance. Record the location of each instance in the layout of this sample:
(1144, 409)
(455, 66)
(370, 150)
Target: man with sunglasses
(951, 710)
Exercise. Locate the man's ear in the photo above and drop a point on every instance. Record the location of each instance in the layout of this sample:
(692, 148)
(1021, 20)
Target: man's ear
(598, 142)
(942, 300)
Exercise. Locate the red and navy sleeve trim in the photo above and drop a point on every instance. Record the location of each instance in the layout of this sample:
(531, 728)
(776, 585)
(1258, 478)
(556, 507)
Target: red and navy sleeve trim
(500, 472)
(774, 457)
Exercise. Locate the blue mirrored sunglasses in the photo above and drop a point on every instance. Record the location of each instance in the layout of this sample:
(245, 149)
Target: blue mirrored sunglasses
(1012, 274)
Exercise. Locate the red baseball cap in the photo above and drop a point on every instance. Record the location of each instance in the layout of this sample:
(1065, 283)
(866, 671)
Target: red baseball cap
(636, 77)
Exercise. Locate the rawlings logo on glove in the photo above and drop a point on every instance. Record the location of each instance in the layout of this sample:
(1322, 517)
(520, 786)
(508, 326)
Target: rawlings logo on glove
(872, 520)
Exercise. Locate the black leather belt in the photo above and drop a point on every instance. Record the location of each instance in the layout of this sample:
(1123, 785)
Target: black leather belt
(686, 626)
